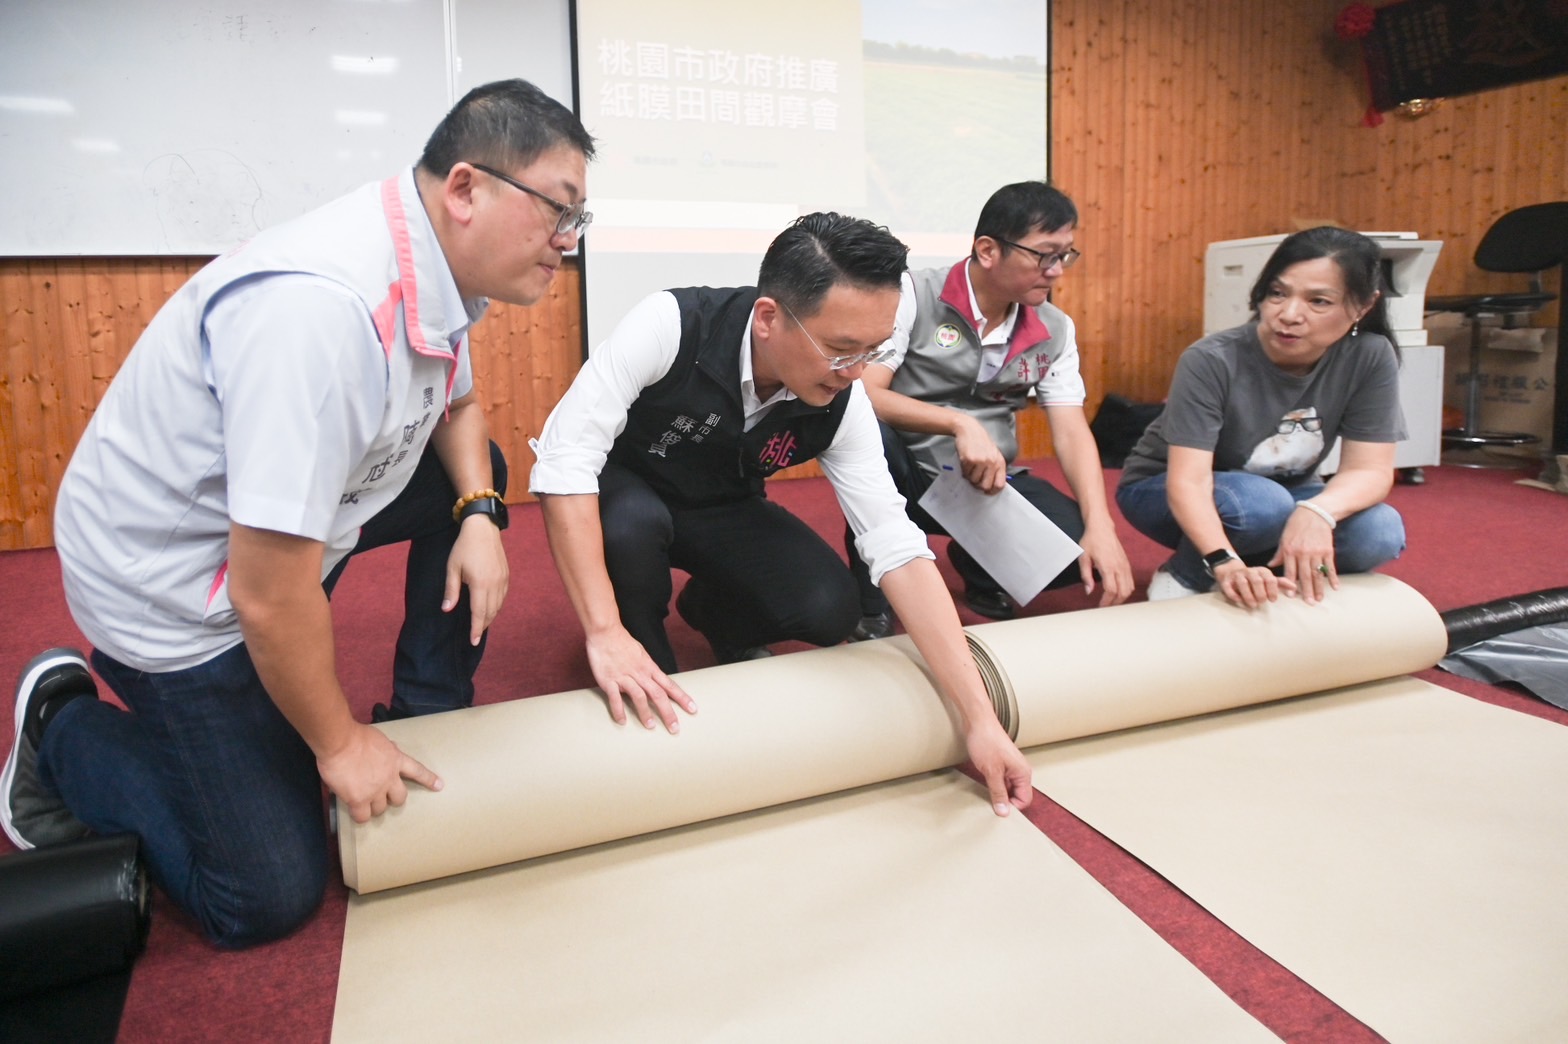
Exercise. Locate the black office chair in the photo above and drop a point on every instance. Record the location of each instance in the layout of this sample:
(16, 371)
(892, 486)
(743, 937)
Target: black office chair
(1531, 239)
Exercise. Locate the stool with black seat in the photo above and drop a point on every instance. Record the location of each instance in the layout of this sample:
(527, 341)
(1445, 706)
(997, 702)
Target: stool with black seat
(1530, 239)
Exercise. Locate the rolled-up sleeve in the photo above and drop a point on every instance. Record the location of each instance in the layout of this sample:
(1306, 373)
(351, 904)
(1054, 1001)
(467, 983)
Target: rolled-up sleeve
(584, 424)
(854, 465)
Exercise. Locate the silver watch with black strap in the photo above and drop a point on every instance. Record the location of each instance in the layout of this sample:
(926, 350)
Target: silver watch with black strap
(1214, 559)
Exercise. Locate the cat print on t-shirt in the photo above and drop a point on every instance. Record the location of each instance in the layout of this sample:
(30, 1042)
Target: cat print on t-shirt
(1293, 449)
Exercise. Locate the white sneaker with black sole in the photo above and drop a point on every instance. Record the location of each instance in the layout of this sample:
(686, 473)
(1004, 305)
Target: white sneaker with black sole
(1164, 586)
(31, 815)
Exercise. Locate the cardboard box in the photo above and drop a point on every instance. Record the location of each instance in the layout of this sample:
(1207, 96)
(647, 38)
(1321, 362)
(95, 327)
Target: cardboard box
(1518, 377)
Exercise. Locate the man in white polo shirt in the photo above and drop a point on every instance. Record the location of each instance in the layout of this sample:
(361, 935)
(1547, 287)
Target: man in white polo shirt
(305, 396)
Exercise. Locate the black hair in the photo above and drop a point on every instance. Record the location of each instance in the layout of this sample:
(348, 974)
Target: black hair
(506, 125)
(1360, 263)
(1015, 210)
(822, 250)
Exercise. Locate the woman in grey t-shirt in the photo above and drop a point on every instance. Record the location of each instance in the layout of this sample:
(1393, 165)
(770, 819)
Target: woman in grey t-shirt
(1227, 475)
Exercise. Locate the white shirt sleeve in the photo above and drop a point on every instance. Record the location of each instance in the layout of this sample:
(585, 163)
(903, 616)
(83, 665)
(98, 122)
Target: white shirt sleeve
(463, 382)
(903, 325)
(857, 470)
(301, 377)
(584, 424)
(1062, 384)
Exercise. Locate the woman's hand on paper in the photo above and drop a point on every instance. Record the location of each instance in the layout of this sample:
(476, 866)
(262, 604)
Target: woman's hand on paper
(1306, 550)
(1251, 586)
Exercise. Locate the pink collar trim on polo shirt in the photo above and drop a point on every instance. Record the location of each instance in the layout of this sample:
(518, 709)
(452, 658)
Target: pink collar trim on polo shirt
(1028, 329)
(406, 290)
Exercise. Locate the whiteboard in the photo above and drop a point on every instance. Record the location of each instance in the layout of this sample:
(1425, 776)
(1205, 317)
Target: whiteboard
(179, 127)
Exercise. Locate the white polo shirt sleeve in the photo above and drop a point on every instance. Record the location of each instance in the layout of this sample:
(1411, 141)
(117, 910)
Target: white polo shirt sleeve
(581, 429)
(302, 397)
(903, 325)
(856, 468)
(1062, 384)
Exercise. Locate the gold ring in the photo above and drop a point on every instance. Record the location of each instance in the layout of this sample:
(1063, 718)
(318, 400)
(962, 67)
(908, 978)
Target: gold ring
(1323, 568)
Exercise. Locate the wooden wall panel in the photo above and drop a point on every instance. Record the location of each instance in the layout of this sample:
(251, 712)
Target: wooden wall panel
(1179, 122)
(1173, 123)
(66, 324)
(524, 359)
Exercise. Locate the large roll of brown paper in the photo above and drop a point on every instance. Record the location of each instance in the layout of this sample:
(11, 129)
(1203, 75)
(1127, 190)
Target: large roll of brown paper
(550, 774)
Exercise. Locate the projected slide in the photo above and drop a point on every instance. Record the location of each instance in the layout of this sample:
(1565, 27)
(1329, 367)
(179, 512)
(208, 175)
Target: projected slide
(719, 124)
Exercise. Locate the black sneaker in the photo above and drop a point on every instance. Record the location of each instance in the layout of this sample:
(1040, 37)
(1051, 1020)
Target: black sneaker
(31, 815)
(387, 712)
(872, 626)
(994, 605)
(686, 606)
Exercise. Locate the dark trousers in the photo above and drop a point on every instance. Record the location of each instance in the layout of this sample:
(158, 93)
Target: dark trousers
(205, 769)
(913, 481)
(758, 574)
(433, 668)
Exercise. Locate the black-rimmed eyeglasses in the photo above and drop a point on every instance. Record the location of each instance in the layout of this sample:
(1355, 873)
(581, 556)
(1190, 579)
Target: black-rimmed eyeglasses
(841, 362)
(570, 218)
(1065, 258)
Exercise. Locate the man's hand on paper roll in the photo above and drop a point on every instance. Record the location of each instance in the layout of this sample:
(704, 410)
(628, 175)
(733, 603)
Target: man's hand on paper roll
(1006, 772)
(367, 773)
(920, 598)
(624, 670)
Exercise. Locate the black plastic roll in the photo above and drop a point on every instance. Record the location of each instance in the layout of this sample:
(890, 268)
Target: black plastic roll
(70, 913)
(1477, 623)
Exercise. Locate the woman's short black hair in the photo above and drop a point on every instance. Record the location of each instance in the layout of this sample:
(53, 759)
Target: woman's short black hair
(507, 124)
(1360, 264)
(822, 250)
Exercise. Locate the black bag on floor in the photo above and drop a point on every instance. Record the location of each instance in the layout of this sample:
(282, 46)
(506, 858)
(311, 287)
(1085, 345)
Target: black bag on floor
(1118, 425)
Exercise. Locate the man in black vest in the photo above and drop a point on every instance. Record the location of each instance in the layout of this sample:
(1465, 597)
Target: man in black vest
(656, 457)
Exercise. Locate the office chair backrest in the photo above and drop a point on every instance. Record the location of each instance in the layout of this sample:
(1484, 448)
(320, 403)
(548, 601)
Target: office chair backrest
(1530, 239)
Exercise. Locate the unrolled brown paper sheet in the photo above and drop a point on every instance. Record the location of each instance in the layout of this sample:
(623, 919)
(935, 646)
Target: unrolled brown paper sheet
(550, 774)
(903, 912)
(1399, 846)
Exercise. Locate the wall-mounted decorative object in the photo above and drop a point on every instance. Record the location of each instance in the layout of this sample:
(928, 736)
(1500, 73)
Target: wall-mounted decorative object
(1421, 50)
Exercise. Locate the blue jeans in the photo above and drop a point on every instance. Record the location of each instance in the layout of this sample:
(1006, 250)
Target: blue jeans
(205, 769)
(214, 780)
(433, 667)
(1254, 510)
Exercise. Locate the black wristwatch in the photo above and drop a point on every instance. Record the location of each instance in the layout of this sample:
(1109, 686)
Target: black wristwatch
(1214, 559)
(493, 507)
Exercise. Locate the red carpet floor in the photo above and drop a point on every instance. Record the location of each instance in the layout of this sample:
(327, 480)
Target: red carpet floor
(1474, 536)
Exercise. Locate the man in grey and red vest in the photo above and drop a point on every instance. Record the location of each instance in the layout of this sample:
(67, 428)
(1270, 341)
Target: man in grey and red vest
(656, 458)
(971, 341)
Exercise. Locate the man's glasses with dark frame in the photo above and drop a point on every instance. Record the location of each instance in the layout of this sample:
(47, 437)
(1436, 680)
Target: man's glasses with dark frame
(570, 219)
(1066, 258)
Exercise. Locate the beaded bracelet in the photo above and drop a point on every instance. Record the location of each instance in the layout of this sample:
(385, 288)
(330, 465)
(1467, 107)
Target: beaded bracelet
(478, 494)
